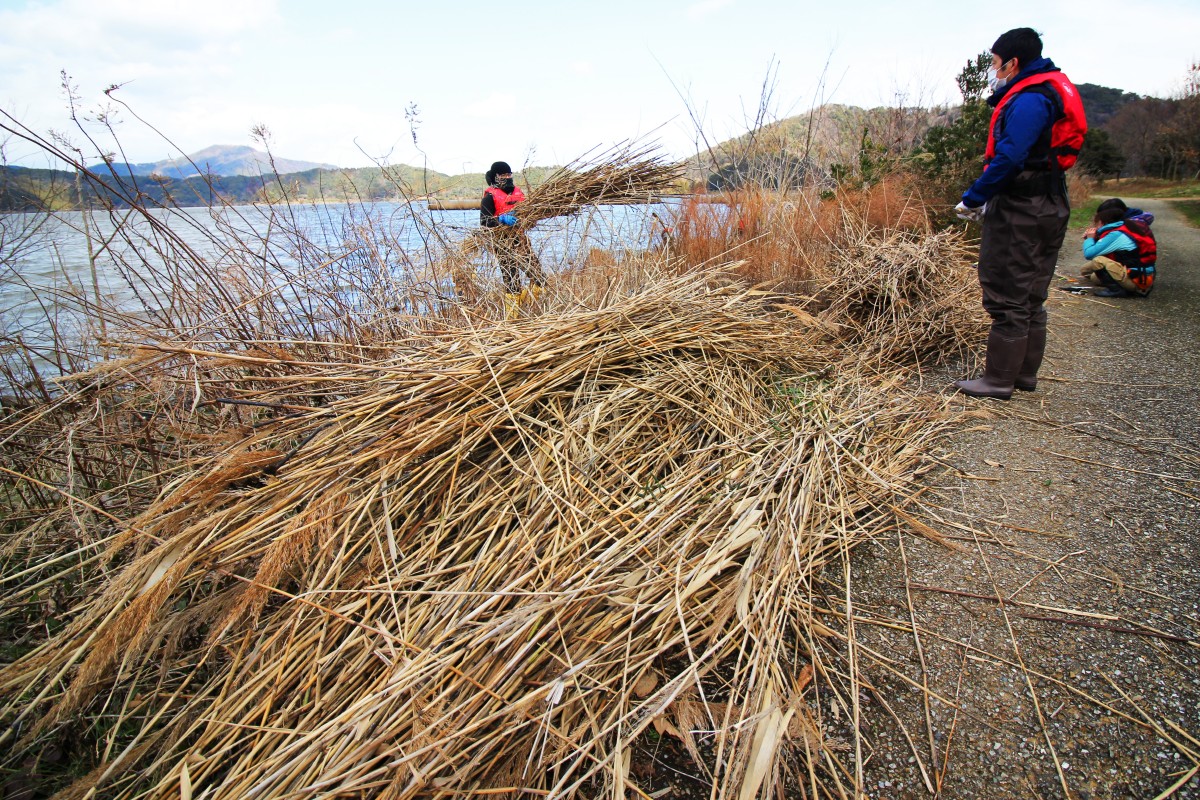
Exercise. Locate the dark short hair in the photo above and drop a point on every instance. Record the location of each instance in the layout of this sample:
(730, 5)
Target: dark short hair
(1023, 44)
(1111, 211)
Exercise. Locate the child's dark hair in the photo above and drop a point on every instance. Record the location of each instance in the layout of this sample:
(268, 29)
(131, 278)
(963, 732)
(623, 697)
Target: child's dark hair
(1111, 210)
(1023, 44)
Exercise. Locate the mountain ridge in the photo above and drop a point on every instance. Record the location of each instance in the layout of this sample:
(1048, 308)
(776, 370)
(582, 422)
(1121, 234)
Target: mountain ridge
(225, 160)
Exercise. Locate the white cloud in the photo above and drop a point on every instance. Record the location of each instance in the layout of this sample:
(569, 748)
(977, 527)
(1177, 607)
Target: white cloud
(162, 53)
(583, 68)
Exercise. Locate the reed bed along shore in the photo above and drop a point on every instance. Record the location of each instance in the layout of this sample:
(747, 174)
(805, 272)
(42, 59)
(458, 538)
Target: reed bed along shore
(448, 555)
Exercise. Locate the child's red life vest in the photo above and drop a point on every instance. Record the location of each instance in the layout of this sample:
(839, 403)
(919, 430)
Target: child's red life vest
(504, 201)
(1066, 136)
(1139, 264)
(1147, 248)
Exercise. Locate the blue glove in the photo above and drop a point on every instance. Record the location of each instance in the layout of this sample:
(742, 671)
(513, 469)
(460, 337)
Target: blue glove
(508, 219)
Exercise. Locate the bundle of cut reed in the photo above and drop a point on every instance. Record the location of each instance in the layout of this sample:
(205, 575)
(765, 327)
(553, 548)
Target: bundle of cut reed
(488, 562)
(627, 173)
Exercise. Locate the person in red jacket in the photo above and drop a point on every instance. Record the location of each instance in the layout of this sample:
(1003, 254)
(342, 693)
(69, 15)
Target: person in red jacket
(1037, 128)
(510, 243)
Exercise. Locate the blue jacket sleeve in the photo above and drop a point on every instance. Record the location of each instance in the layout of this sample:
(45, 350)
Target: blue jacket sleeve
(1024, 119)
(1111, 242)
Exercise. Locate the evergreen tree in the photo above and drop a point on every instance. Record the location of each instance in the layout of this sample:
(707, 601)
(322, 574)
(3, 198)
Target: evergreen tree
(1100, 156)
(952, 155)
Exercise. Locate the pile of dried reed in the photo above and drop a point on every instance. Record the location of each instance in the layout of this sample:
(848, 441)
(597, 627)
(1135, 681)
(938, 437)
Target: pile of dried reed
(304, 546)
(486, 562)
(902, 297)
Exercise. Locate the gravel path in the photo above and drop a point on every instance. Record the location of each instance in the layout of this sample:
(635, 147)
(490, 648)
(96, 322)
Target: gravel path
(1079, 504)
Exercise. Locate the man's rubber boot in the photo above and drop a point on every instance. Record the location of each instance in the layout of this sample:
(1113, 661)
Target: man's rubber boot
(1003, 362)
(1035, 348)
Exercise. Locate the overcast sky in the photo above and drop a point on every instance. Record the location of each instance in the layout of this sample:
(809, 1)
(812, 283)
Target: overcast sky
(528, 82)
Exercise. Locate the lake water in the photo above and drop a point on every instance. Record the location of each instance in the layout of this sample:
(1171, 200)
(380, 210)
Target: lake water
(44, 259)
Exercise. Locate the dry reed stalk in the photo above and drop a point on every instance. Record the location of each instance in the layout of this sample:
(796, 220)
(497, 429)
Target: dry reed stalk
(477, 546)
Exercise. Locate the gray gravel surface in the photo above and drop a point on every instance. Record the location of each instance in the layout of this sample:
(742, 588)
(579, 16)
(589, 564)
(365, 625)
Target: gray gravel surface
(1079, 505)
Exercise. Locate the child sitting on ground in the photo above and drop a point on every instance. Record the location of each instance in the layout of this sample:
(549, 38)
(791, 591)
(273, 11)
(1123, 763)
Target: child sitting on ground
(1120, 250)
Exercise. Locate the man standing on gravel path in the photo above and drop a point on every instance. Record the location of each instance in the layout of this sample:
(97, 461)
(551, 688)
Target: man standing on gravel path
(1036, 131)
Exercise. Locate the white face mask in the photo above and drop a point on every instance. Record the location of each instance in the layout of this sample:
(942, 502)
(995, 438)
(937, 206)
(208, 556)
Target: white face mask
(996, 83)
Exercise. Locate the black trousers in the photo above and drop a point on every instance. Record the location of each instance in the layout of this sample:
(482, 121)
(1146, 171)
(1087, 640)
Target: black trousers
(1017, 256)
(514, 253)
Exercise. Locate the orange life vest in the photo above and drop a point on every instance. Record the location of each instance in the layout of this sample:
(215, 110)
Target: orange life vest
(504, 201)
(1066, 136)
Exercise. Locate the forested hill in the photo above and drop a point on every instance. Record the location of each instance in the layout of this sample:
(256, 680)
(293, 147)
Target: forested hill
(1101, 103)
(55, 190)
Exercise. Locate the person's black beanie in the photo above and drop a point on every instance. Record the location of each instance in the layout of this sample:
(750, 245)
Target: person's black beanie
(498, 168)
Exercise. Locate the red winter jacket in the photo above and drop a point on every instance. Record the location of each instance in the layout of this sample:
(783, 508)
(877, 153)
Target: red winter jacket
(496, 202)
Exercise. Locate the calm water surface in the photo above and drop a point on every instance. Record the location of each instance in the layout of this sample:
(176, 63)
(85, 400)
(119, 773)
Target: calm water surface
(44, 258)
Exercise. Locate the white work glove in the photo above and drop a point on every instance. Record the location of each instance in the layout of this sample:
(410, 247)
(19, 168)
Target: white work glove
(963, 211)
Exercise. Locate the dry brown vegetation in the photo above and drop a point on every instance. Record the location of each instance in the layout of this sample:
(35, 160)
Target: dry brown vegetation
(266, 548)
(788, 239)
